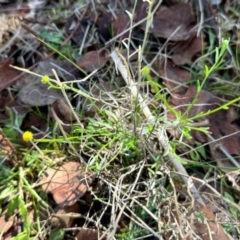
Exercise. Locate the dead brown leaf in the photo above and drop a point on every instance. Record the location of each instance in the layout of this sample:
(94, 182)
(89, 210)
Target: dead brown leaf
(175, 78)
(62, 216)
(220, 124)
(8, 74)
(119, 24)
(35, 93)
(141, 11)
(64, 69)
(5, 100)
(209, 229)
(212, 200)
(206, 101)
(174, 23)
(89, 234)
(66, 183)
(38, 94)
(8, 226)
(185, 50)
(62, 110)
(8, 106)
(93, 60)
(34, 119)
(80, 29)
(109, 25)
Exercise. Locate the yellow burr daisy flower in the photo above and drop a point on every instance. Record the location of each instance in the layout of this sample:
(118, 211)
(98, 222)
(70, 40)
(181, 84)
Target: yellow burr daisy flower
(27, 136)
(45, 79)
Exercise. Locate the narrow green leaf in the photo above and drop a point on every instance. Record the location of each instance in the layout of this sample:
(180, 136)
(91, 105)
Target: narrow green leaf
(22, 236)
(24, 213)
(8, 191)
(51, 37)
(181, 160)
(216, 55)
(57, 235)
(225, 43)
(12, 206)
(206, 70)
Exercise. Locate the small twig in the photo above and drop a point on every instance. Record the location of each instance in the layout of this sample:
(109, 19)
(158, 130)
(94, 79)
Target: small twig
(203, 6)
(162, 138)
(208, 143)
(224, 151)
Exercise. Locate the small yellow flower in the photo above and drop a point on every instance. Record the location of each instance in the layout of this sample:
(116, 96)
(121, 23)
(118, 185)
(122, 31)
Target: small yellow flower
(27, 136)
(45, 79)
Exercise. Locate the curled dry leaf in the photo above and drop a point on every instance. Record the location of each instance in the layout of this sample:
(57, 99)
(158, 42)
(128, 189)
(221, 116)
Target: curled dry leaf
(66, 183)
(174, 23)
(93, 60)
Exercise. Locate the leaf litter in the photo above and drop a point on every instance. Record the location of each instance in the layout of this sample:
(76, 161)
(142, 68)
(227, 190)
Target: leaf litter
(92, 36)
(174, 23)
(65, 183)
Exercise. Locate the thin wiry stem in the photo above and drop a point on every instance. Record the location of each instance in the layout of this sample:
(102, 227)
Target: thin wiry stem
(162, 138)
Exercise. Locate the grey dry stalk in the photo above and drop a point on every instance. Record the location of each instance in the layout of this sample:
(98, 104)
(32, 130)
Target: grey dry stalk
(163, 140)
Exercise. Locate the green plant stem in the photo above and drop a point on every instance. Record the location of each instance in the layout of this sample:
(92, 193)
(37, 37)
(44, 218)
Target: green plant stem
(223, 107)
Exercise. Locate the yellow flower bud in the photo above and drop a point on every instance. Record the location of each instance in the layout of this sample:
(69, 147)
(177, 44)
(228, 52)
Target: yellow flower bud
(45, 79)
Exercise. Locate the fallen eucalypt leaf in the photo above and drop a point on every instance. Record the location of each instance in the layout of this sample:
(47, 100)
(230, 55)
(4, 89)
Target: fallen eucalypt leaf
(66, 183)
